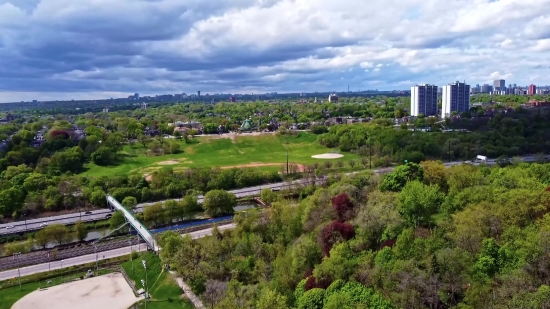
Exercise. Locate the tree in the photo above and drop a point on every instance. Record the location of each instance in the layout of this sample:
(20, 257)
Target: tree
(129, 203)
(189, 205)
(214, 292)
(435, 174)
(271, 299)
(117, 220)
(312, 299)
(58, 233)
(418, 202)
(103, 156)
(35, 182)
(334, 233)
(343, 206)
(352, 163)
(11, 200)
(397, 179)
(98, 198)
(80, 230)
(173, 210)
(268, 196)
(155, 214)
(219, 203)
(42, 238)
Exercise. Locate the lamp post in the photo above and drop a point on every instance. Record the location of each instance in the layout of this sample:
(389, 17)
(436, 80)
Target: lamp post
(131, 258)
(370, 154)
(16, 257)
(287, 157)
(146, 287)
(96, 267)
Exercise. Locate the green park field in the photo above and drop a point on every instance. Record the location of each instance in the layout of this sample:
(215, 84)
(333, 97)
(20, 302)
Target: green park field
(267, 152)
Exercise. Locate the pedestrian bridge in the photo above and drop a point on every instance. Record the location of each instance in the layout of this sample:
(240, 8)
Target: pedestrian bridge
(138, 226)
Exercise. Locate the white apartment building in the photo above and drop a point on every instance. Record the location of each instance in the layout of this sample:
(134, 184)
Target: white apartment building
(455, 98)
(424, 100)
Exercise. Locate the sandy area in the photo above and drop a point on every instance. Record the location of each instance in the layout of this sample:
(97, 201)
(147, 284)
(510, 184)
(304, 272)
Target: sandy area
(106, 292)
(168, 162)
(301, 167)
(328, 156)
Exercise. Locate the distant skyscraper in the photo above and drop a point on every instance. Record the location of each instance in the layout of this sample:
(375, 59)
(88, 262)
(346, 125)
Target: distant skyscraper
(486, 88)
(424, 100)
(455, 98)
(499, 85)
(532, 90)
(199, 93)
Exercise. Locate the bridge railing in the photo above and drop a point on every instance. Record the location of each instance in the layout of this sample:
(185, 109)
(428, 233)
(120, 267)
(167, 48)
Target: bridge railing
(135, 223)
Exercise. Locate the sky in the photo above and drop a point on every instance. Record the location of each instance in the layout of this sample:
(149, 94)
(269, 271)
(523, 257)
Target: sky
(94, 49)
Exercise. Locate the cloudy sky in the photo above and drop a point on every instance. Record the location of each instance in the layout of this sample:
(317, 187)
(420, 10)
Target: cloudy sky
(64, 49)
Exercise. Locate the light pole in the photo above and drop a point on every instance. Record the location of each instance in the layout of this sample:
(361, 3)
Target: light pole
(370, 154)
(287, 158)
(146, 287)
(25, 216)
(96, 267)
(131, 258)
(16, 257)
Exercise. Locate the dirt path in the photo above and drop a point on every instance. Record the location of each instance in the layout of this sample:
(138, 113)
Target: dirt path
(188, 292)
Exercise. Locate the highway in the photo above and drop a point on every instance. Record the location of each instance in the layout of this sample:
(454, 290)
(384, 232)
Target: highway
(95, 215)
(91, 258)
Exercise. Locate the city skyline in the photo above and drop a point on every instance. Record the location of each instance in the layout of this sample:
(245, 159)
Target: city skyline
(62, 50)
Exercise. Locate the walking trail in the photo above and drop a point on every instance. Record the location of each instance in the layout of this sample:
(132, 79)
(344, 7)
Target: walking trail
(188, 292)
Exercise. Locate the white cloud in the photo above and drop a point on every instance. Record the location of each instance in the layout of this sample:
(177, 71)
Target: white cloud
(105, 46)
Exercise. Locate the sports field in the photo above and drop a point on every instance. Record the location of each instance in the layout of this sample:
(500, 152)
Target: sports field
(106, 292)
(266, 152)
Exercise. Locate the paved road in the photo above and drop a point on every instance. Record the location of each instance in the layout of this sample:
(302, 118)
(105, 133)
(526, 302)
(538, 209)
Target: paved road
(95, 215)
(90, 258)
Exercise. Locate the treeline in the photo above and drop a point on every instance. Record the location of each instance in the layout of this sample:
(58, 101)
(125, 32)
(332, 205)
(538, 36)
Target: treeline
(518, 134)
(422, 236)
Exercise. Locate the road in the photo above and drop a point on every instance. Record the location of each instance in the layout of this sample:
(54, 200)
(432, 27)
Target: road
(95, 215)
(90, 258)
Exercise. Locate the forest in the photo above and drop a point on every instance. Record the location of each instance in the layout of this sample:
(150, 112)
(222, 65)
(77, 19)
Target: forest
(422, 236)
(47, 178)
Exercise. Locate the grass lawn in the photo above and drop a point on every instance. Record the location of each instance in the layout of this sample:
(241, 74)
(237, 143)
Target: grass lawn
(220, 152)
(9, 296)
(165, 292)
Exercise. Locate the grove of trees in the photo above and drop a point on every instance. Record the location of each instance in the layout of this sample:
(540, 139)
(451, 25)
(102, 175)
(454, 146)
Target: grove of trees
(420, 237)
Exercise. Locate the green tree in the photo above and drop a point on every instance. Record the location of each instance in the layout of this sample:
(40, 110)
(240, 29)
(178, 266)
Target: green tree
(80, 230)
(271, 299)
(219, 202)
(35, 182)
(11, 200)
(42, 238)
(98, 198)
(129, 203)
(58, 233)
(117, 220)
(418, 202)
(154, 214)
(402, 174)
(103, 156)
(312, 299)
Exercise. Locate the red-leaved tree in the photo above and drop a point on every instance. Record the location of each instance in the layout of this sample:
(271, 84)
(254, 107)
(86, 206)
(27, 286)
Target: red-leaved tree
(334, 233)
(61, 133)
(343, 206)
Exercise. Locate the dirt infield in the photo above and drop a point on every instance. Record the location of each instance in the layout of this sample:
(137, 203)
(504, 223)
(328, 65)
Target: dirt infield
(301, 167)
(105, 292)
(328, 156)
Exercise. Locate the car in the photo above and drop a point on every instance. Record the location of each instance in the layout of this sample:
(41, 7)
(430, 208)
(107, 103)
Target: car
(43, 224)
(9, 227)
(108, 215)
(88, 213)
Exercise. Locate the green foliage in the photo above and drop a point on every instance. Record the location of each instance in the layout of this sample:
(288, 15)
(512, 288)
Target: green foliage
(397, 179)
(219, 202)
(312, 299)
(418, 202)
(80, 230)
